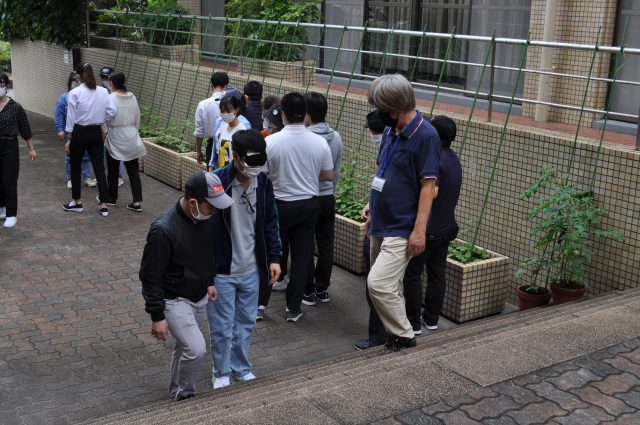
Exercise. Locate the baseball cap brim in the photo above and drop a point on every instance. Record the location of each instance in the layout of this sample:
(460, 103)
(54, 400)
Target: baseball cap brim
(221, 202)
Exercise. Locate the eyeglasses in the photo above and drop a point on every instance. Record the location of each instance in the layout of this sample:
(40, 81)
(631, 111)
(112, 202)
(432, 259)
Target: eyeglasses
(3, 84)
(247, 203)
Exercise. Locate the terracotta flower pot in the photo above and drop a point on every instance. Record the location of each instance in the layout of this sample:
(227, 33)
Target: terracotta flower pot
(527, 300)
(565, 295)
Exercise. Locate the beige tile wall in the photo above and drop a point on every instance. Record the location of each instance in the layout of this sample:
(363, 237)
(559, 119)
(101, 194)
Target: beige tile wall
(173, 89)
(577, 22)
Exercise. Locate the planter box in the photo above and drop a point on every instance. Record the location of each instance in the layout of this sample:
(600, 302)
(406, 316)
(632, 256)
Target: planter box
(184, 52)
(476, 289)
(189, 165)
(300, 73)
(348, 245)
(163, 164)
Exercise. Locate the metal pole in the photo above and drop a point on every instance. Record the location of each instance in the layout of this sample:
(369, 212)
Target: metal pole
(546, 60)
(638, 132)
(335, 61)
(492, 75)
(444, 66)
(346, 90)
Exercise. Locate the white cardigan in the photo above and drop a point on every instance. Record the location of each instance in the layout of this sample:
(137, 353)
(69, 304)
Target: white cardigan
(123, 141)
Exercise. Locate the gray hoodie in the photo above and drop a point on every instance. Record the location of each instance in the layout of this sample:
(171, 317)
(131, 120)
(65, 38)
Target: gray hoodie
(335, 145)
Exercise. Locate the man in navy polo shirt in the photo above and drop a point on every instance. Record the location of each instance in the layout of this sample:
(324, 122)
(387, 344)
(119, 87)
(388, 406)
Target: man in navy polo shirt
(402, 192)
(441, 230)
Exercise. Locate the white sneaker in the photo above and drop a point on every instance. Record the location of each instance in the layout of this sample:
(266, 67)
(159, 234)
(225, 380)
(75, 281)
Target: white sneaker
(221, 382)
(120, 181)
(248, 377)
(3, 213)
(90, 182)
(69, 184)
(10, 222)
(281, 286)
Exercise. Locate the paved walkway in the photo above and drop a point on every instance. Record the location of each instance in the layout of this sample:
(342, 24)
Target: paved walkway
(601, 388)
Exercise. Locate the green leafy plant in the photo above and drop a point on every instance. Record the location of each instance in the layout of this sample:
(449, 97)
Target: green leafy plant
(5, 56)
(347, 204)
(59, 22)
(259, 43)
(567, 228)
(169, 137)
(465, 252)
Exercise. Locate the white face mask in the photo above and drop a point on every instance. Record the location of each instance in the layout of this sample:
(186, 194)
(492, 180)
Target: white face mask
(199, 216)
(376, 139)
(228, 117)
(250, 172)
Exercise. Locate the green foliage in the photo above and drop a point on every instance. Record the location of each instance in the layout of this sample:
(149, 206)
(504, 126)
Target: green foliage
(347, 204)
(568, 225)
(159, 30)
(272, 10)
(57, 22)
(5, 56)
(169, 137)
(466, 252)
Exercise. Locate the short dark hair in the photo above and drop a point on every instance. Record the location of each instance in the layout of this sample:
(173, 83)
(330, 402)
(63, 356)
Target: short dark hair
(253, 89)
(446, 129)
(294, 107)
(269, 101)
(219, 79)
(70, 80)
(231, 101)
(118, 79)
(4, 77)
(244, 141)
(316, 106)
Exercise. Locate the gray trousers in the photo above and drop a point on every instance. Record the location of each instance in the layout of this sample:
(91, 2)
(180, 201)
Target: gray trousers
(184, 319)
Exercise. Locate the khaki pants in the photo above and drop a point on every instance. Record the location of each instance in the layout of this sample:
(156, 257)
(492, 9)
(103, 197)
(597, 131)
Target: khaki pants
(389, 260)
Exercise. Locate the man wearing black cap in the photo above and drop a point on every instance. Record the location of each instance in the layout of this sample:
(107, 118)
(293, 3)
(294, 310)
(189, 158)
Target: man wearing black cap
(177, 273)
(297, 160)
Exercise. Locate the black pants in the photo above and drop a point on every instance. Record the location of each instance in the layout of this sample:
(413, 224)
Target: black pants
(434, 258)
(207, 151)
(87, 138)
(9, 170)
(133, 171)
(297, 220)
(324, 239)
(265, 289)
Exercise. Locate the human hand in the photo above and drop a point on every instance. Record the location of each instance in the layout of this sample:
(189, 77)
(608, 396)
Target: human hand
(213, 293)
(274, 273)
(61, 136)
(67, 147)
(364, 214)
(417, 243)
(160, 330)
(198, 157)
(32, 154)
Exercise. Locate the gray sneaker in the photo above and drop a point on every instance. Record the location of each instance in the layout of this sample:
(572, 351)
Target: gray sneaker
(282, 285)
(292, 316)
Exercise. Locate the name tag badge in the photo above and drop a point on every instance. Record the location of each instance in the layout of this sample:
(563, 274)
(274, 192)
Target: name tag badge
(378, 183)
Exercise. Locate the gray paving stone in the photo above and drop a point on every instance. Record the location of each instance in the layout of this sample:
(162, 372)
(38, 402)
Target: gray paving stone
(517, 393)
(536, 413)
(590, 416)
(574, 379)
(631, 398)
(417, 417)
(491, 407)
(564, 399)
(456, 418)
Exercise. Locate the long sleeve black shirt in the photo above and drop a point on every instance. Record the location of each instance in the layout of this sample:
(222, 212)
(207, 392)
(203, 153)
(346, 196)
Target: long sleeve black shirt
(177, 261)
(13, 120)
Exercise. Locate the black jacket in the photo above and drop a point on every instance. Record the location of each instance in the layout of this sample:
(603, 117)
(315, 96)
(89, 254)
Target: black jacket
(177, 261)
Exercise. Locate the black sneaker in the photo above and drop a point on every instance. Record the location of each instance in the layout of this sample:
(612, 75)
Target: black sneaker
(260, 313)
(397, 343)
(110, 202)
(417, 329)
(104, 211)
(323, 296)
(136, 208)
(431, 327)
(293, 316)
(309, 299)
(73, 208)
(365, 344)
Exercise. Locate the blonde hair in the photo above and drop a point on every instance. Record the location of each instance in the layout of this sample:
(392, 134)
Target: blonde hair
(392, 92)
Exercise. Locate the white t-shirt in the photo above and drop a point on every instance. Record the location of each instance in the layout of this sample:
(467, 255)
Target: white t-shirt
(207, 113)
(295, 158)
(223, 142)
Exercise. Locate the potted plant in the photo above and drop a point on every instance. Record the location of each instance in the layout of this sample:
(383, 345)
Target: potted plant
(476, 282)
(272, 50)
(568, 225)
(349, 230)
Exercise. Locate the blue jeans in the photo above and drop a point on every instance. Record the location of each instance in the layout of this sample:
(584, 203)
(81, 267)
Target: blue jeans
(232, 318)
(86, 166)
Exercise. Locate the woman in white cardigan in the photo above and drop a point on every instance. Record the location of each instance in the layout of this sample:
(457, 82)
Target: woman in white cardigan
(123, 141)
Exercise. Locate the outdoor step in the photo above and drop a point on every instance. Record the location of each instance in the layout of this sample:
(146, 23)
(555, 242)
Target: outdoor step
(437, 344)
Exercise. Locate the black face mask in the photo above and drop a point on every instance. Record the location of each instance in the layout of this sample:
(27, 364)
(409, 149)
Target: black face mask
(387, 120)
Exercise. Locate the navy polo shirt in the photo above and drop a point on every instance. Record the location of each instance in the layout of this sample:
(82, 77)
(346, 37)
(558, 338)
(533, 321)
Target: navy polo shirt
(410, 157)
(443, 219)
